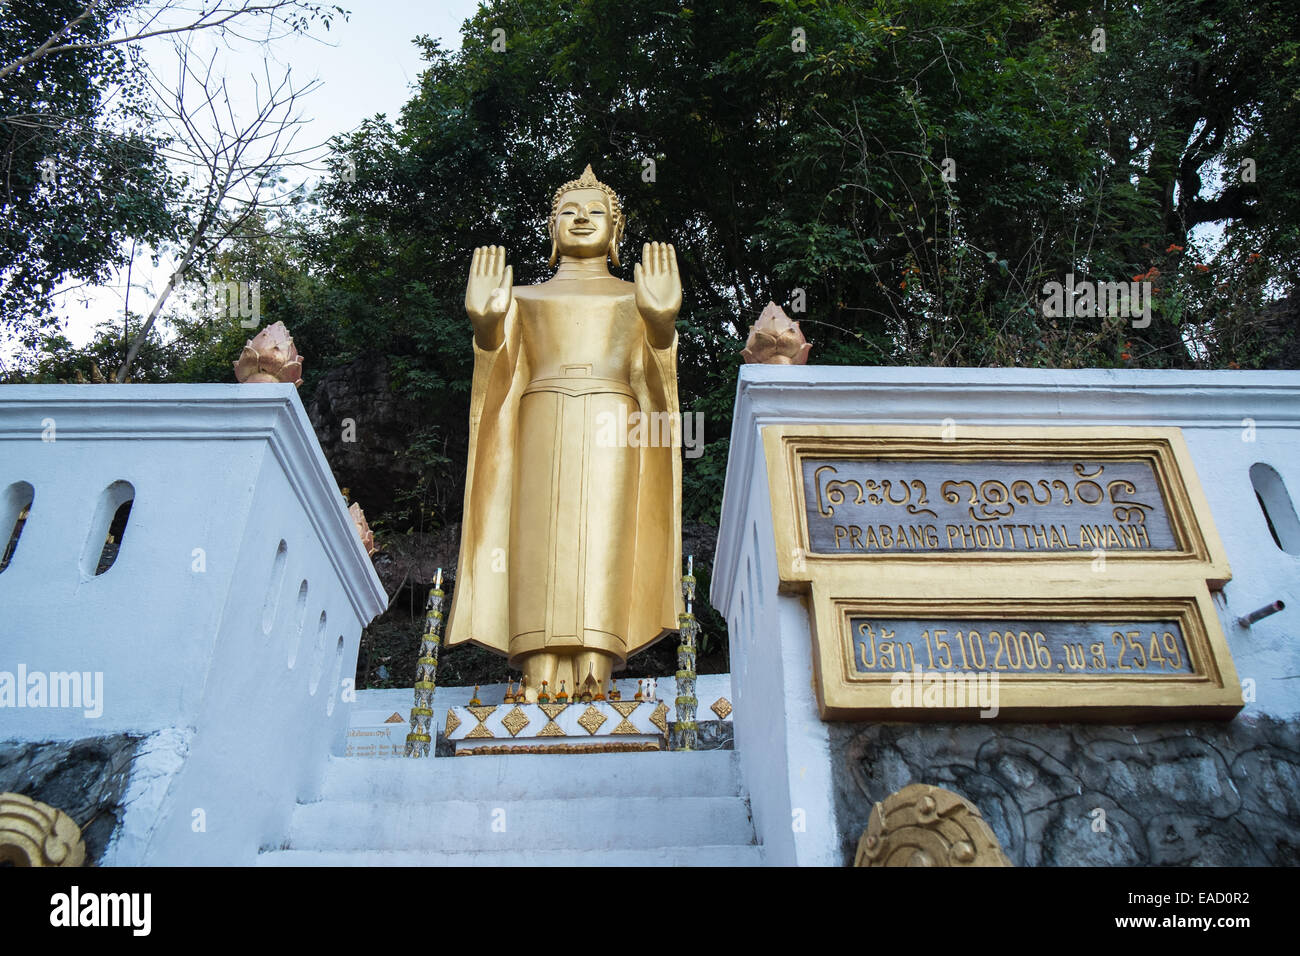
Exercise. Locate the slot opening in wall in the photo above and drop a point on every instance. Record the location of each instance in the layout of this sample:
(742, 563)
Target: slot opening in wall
(271, 606)
(108, 528)
(296, 638)
(334, 680)
(318, 661)
(1278, 508)
(15, 507)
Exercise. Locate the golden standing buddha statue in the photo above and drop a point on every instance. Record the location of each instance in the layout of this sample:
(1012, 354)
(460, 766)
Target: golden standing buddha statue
(571, 542)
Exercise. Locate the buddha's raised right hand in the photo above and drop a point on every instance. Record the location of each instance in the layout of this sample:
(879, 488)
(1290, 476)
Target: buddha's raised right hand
(488, 294)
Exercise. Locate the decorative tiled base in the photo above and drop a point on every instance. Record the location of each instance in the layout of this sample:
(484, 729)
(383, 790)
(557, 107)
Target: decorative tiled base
(574, 748)
(554, 728)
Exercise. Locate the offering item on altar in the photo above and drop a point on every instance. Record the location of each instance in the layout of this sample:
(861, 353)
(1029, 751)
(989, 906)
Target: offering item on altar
(590, 688)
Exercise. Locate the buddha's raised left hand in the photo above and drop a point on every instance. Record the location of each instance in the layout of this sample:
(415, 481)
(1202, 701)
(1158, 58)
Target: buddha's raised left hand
(658, 291)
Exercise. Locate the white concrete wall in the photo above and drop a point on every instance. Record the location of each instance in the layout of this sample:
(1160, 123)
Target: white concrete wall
(199, 660)
(57, 618)
(783, 745)
(1230, 420)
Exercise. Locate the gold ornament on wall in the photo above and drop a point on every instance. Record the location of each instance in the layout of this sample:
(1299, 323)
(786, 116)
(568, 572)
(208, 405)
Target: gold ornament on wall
(36, 834)
(363, 528)
(515, 721)
(591, 720)
(776, 339)
(922, 825)
(626, 726)
(660, 717)
(270, 356)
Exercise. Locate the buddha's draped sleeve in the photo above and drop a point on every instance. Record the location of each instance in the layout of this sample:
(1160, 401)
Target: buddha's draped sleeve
(656, 594)
(480, 610)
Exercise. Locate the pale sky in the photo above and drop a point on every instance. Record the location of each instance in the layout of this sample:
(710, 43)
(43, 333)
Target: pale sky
(366, 65)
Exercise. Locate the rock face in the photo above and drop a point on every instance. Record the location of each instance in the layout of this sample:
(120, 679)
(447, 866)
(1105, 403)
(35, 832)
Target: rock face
(86, 779)
(365, 428)
(413, 559)
(1193, 793)
(711, 735)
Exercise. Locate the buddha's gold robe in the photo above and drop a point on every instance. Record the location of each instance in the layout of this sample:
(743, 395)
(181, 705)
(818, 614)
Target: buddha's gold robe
(571, 539)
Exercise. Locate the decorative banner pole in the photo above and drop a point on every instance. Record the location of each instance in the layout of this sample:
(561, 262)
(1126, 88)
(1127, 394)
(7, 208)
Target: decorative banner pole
(684, 727)
(426, 675)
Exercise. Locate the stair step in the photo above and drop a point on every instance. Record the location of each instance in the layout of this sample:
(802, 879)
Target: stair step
(654, 856)
(580, 823)
(559, 776)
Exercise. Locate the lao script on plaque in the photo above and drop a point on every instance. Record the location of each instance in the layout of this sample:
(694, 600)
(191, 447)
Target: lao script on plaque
(910, 506)
(1083, 648)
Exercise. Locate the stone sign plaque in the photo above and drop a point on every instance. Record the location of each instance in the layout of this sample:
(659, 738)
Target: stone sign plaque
(905, 659)
(1054, 572)
(377, 734)
(1035, 647)
(920, 506)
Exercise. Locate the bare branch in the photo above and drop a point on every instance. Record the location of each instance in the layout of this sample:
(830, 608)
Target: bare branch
(230, 159)
(282, 17)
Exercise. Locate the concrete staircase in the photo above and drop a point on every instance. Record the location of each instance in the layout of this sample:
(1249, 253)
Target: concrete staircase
(635, 809)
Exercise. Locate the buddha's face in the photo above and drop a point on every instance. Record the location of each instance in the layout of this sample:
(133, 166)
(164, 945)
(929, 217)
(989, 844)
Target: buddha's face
(583, 224)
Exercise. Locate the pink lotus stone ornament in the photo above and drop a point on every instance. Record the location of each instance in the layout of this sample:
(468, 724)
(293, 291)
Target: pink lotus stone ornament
(363, 529)
(270, 357)
(775, 339)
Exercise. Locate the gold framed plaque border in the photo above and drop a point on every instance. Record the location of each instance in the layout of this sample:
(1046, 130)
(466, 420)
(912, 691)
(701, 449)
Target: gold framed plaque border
(1069, 585)
(1211, 691)
(786, 446)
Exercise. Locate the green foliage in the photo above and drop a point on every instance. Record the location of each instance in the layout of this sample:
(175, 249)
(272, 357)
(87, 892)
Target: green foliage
(82, 173)
(915, 172)
(919, 171)
(61, 362)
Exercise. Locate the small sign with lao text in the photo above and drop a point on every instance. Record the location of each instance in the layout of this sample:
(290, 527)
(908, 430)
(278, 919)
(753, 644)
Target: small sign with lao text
(893, 506)
(1082, 648)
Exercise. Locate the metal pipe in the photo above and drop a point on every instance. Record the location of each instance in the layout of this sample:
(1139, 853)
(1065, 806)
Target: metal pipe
(1262, 613)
